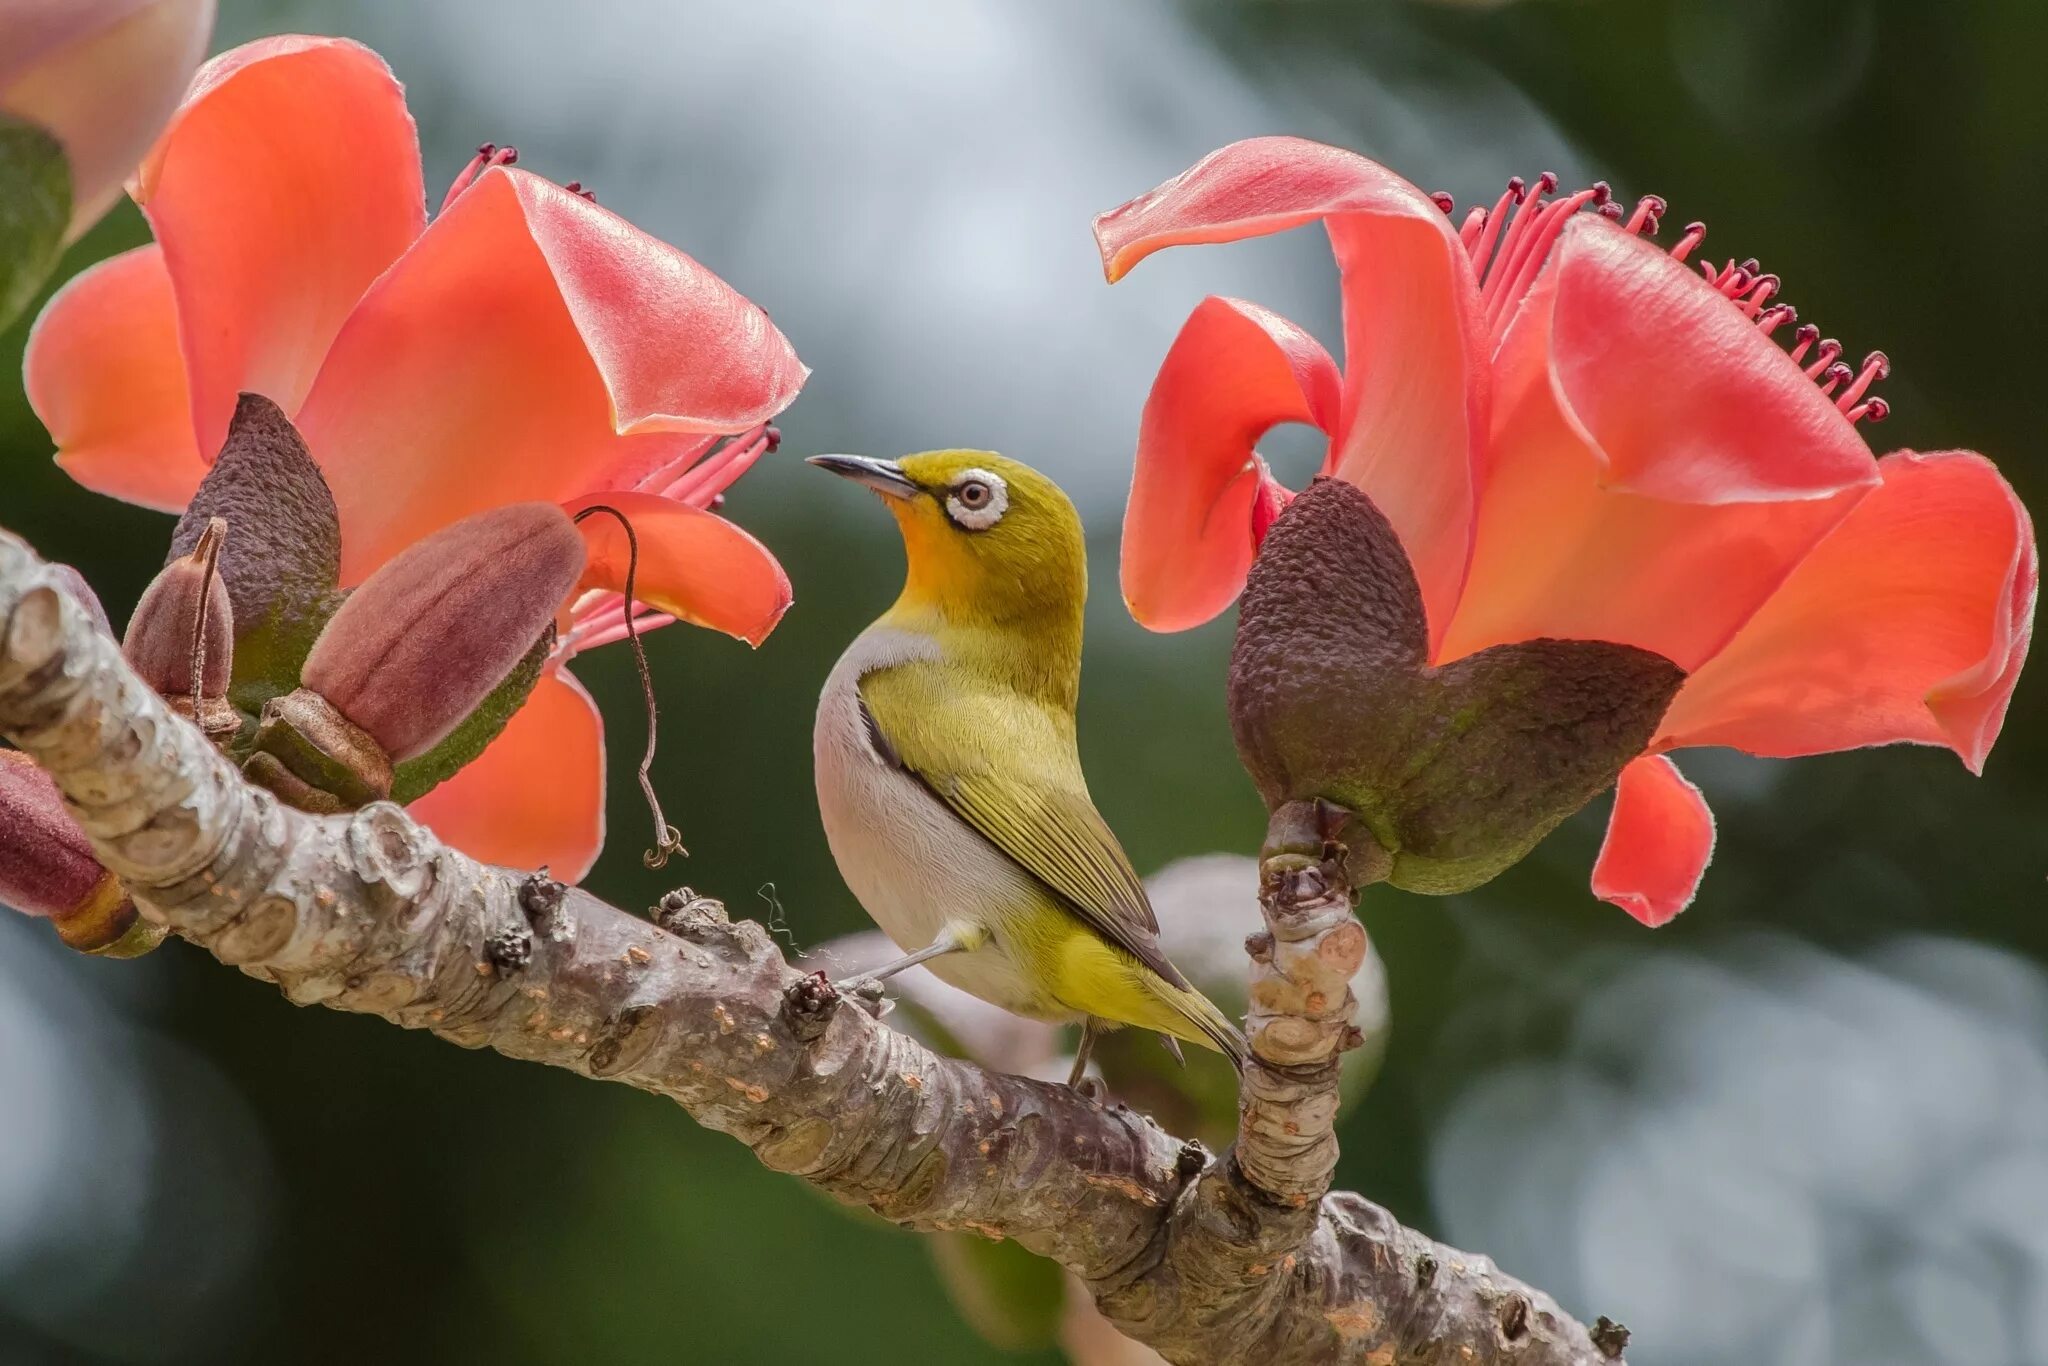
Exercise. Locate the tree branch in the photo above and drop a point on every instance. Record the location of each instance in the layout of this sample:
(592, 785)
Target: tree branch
(368, 912)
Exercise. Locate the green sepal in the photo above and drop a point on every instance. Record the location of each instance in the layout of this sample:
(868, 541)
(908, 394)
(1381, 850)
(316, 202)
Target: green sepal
(418, 776)
(1457, 770)
(1013, 1298)
(35, 208)
(269, 654)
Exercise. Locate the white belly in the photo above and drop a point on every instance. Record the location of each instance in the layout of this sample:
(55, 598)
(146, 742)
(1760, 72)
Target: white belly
(910, 861)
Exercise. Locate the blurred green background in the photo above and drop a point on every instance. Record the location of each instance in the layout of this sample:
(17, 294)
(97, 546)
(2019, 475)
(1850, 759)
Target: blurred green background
(1808, 1122)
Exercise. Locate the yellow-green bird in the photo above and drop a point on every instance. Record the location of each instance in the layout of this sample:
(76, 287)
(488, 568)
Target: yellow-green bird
(948, 777)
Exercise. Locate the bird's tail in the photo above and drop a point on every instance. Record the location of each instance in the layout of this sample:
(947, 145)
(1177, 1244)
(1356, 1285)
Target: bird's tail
(1207, 1025)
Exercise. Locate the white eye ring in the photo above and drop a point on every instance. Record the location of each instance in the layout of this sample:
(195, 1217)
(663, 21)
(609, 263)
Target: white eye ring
(993, 500)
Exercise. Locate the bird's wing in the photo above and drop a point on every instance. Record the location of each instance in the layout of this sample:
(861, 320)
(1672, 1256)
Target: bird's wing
(1007, 766)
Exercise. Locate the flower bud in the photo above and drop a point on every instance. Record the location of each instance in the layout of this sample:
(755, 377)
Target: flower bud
(73, 582)
(283, 562)
(47, 868)
(181, 638)
(1450, 773)
(427, 637)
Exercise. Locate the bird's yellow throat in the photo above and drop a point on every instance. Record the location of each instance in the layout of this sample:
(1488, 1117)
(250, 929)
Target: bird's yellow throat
(1007, 599)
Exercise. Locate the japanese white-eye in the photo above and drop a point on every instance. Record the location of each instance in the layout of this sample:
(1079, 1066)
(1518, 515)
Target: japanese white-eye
(948, 777)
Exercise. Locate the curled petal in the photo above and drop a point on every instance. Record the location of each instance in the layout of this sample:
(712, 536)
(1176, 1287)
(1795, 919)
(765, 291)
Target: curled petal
(104, 374)
(531, 345)
(1415, 379)
(1908, 623)
(102, 76)
(1657, 464)
(285, 184)
(694, 565)
(1200, 492)
(1659, 842)
(535, 797)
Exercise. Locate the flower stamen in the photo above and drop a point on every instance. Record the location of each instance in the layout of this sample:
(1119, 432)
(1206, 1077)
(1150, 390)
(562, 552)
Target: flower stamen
(1695, 233)
(1829, 352)
(1876, 366)
(717, 472)
(488, 155)
(1510, 241)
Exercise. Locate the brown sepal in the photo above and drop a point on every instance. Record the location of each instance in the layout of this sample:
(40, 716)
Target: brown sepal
(1456, 770)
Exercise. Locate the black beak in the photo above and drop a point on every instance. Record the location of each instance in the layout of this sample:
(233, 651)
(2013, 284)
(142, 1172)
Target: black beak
(883, 476)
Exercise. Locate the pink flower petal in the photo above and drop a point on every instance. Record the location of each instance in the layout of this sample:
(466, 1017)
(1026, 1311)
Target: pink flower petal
(1657, 465)
(286, 183)
(1908, 623)
(104, 374)
(1415, 385)
(1234, 372)
(694, 565)
(101, 76)
(1659, 842)
(535, 797)
(531, 345)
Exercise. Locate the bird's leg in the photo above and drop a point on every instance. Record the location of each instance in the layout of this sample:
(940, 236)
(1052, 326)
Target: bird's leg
(951, 939)
(1090, 1029)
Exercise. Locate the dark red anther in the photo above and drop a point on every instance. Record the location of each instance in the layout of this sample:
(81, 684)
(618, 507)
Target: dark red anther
(1876, 410)
(1752, 265)
(1442, 199)
(1824, 355)
(1546, 184)
(576, 188)
(1838, 373)
(1775, 317)
(1610, 210)
(1878, 363)
(773, 434)
(488, 154)
(1649, 209)
(1602, 193)
(1518, 187)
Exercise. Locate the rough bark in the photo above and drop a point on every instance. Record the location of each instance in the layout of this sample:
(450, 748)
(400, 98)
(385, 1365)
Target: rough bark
(368, 912)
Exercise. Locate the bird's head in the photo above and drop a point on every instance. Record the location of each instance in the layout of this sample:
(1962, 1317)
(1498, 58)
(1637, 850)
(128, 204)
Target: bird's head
(990, 542)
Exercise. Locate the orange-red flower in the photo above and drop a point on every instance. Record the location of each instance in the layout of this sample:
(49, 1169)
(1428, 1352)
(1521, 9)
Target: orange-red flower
(525, 345)
(1578, 435)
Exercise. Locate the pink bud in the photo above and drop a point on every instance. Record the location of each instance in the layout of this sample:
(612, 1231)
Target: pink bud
(47, 867)
(427, 637)
(73, 582)
(181, 638)
(102, 77)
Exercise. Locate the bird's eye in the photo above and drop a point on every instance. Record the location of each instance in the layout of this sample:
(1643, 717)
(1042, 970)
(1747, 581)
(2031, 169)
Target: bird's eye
(977, 500)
